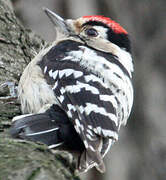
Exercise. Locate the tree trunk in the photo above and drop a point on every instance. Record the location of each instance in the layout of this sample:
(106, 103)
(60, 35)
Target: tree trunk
(20, 159)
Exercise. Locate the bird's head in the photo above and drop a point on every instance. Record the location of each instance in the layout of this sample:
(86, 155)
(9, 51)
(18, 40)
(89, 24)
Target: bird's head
(96, 31)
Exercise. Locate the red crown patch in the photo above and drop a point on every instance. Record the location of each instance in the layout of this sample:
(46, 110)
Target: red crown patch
(110, 23)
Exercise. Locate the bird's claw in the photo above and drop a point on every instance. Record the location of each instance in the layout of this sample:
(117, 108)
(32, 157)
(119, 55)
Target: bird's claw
(12, 91)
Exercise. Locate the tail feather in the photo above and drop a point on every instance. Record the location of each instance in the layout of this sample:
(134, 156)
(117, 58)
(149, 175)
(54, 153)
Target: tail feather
(37, 127)
(52, 128)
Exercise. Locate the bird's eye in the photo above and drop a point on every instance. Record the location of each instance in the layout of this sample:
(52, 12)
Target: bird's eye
(91, 32)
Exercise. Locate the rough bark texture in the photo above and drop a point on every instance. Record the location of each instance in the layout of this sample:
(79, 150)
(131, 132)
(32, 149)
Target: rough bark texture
(22, 160)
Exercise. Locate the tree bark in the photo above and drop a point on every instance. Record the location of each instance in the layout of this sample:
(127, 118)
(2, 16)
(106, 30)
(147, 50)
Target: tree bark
(23, 160)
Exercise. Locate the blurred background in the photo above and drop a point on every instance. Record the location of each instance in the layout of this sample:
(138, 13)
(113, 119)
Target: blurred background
(140, 153)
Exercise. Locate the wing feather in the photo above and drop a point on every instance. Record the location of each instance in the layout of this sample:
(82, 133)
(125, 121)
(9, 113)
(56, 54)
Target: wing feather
(88, 103)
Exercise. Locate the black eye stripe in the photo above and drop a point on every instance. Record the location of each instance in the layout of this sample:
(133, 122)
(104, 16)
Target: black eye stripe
(122, 40)
(91, 32)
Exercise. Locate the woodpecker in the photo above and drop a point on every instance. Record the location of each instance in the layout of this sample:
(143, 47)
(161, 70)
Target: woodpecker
(76, 93)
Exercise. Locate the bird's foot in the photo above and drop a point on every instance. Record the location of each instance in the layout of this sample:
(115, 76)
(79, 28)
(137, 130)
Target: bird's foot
(12, 88)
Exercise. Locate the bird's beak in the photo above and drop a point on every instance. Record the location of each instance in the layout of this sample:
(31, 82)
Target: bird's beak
(58, 22)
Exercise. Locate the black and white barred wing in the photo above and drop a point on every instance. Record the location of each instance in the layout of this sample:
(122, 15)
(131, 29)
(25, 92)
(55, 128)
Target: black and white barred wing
(90, 105)
(90, 108)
